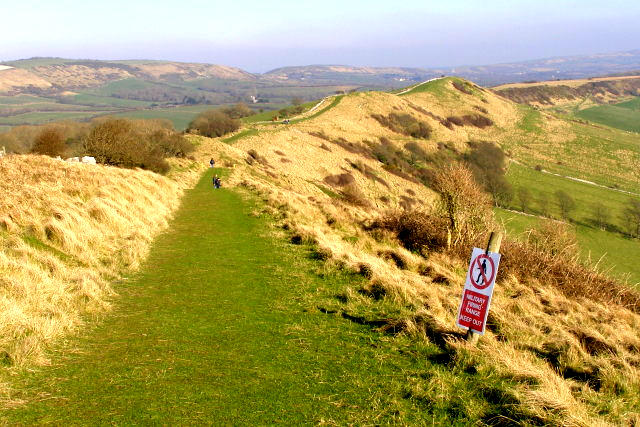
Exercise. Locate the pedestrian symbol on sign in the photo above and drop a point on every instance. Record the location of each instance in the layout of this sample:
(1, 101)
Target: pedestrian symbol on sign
(483, 271)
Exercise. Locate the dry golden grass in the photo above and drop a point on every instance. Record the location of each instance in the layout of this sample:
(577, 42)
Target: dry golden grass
(66, 231)
(576, 360)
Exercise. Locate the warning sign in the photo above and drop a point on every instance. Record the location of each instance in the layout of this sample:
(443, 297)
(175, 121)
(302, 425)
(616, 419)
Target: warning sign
(478, 289)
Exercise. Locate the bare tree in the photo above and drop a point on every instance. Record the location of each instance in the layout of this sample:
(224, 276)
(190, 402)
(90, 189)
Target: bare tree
(543, 204)
(463, 203)
(524, 196)
(631, 215)
(601, 214)
(566, 204)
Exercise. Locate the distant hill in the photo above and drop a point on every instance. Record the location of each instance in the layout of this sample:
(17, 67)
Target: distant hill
(64, 74)
(41, 90)
(572, 92)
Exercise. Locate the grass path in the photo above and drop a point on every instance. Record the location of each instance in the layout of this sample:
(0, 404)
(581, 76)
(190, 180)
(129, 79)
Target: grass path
(215, 329)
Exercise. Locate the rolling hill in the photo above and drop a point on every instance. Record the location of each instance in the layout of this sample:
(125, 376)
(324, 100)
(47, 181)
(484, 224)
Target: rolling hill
(562, 345)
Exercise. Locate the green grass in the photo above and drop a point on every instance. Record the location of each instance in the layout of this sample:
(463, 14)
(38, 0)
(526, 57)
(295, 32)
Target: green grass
(620, 254)
(222, 326)
(22, 99)
(531, 121)
(437, 87)
(333, 103)
(621, 117)
(179, 116)
(240, 135)
(46, 117)
(632, 104)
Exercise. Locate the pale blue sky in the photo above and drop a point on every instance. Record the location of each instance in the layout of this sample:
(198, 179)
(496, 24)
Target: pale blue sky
(261, 35)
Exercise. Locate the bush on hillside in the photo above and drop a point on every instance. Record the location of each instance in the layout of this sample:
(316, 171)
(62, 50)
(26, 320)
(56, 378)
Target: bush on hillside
(462, 87)
(488, 163)
(237, 111)
(404, 124)
(213, 123)
(463, 203)
(416, 230)
(116, 142)
(50, 142)
(171, 144)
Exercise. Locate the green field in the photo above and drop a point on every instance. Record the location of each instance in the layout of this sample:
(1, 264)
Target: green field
(543, 185)
(179, 116)
(46, 117)
(619, 254)
(22, 99)
(617, 116)
(105, 101)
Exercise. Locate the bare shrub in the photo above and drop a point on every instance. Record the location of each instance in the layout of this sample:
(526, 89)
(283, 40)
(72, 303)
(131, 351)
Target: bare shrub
(116, 142)
(550, 256)
(352, 195)
(416, 230)
(257, 157)
(462, 202)
(477, 120)
(50, 142)
(455, 120)
(339, 180)
(462, 87)
(404, 124)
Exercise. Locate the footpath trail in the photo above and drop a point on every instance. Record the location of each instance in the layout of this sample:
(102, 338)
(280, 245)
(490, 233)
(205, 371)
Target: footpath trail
(215, 329)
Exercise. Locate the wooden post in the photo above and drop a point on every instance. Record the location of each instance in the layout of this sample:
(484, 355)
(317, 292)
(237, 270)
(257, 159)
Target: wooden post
(495, 239)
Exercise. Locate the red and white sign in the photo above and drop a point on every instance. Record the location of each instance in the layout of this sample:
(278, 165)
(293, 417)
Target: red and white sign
(478, 289)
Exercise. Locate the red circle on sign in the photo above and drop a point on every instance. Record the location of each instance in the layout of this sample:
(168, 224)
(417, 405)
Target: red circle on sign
(487, 281)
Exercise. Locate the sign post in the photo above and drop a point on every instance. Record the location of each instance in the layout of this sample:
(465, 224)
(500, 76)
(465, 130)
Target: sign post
(478, 288)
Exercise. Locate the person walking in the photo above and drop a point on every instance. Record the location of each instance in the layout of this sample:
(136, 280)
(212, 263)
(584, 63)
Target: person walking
(212, 163)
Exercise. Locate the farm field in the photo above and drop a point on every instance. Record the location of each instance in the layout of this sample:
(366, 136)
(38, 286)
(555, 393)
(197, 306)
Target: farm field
(47, 117)
(619, 254)
(543, 186)
(625, 115)
(179, 116)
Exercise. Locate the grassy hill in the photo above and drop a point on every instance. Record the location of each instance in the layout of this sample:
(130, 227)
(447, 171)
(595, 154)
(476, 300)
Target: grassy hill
(562, 345)
(557, 377)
